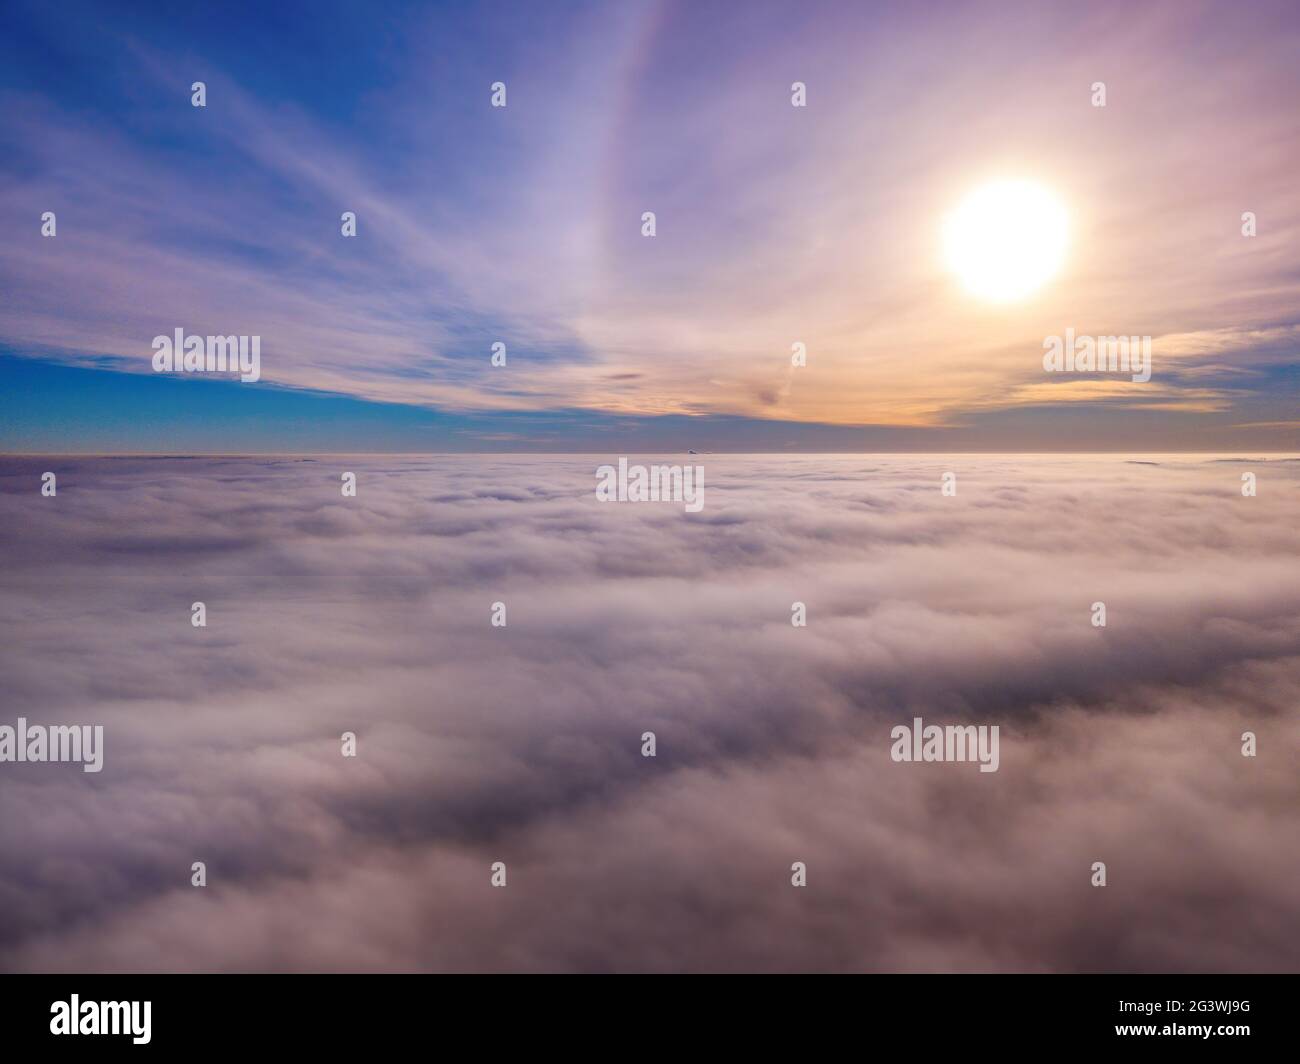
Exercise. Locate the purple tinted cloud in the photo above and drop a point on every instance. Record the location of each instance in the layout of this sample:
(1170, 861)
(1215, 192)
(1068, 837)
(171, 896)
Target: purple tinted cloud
(522, 744)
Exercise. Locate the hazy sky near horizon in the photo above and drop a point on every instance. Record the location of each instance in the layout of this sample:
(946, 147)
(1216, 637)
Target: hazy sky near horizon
(522, 224)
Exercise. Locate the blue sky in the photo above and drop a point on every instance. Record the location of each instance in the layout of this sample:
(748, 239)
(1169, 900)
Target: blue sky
(522, 225)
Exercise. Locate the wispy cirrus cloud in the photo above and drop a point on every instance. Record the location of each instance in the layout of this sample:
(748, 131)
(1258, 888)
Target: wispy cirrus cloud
(775, 224)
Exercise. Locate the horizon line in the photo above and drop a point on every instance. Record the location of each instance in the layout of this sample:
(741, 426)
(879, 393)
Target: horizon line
(537, 453)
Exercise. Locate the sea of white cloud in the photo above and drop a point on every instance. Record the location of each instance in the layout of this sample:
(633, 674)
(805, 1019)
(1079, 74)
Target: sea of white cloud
(523, 744)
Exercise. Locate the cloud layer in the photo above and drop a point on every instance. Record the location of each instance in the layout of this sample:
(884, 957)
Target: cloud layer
(522, 744)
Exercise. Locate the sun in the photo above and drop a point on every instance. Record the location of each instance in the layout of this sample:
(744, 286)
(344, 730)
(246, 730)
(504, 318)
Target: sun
(1006, 239)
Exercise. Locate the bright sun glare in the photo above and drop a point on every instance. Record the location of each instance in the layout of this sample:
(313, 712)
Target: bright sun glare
(1006, 239)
